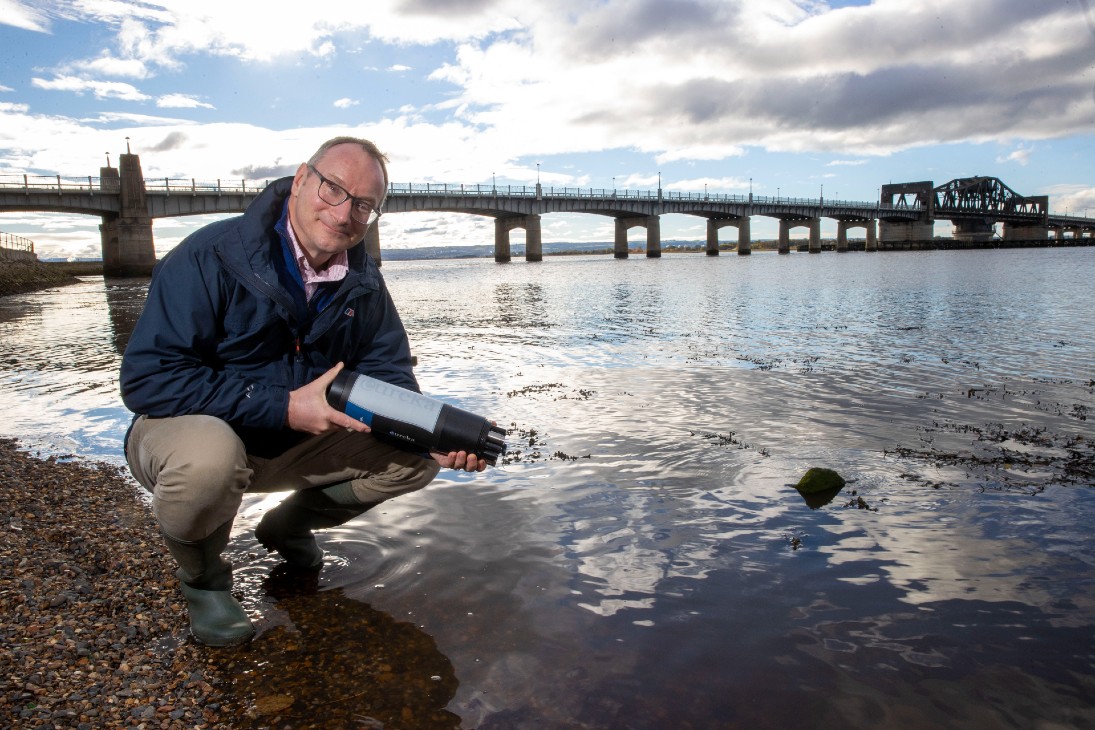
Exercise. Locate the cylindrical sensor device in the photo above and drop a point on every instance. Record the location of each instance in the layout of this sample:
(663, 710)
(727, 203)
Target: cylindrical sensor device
(415, 418)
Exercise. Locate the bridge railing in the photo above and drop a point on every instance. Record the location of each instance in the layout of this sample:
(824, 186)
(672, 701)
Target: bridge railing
(91, 184)
(192, 186)
(455, 189)
(39, 183)
(517, 191)
(15, 248)
(526, 191)
(182, 186)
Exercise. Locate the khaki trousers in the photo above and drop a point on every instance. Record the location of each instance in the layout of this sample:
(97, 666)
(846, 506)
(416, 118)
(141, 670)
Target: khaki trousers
(198, 470)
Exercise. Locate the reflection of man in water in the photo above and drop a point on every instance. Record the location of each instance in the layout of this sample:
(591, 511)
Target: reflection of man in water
(247, 322)
(329, 661)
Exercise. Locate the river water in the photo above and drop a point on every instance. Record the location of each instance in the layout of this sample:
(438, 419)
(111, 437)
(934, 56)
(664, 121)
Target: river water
(642, 559)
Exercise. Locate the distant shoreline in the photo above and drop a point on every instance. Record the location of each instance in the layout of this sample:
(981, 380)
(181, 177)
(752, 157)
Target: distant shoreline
(21, 277)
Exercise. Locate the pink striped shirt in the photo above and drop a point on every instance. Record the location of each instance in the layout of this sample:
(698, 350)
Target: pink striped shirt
(336, 269)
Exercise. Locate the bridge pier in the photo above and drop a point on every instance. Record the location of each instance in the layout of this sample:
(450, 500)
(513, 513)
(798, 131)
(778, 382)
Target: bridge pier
(784, 242)
(745, 237)
(1024, 232)
(785, 226)
(842, 227)
(653, 237)
(619, 246)
(534, 248)
(978, 230)
(534, 245)
(1077, 234)
(905, 234)
(126, 237)
(652, 223)
(502, 228)
(745, 241)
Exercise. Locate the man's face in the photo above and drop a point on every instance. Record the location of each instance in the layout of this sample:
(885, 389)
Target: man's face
(324, 230)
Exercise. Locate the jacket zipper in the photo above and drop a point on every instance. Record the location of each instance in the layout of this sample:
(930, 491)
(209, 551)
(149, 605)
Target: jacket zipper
(298, 363)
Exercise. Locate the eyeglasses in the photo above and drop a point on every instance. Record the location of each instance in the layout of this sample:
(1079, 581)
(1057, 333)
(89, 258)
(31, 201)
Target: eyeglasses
(333, 194)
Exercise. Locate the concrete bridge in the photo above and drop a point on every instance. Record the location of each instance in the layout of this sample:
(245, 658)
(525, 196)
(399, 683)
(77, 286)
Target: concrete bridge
(904, 217)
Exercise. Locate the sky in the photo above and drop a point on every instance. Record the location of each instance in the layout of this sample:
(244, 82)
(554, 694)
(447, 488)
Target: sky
(793, 98)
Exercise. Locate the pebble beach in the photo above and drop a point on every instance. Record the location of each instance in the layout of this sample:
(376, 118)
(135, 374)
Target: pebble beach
(92, 625)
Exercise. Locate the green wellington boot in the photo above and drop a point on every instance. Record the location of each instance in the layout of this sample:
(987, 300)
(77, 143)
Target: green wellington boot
(216, 618)
(288, 527)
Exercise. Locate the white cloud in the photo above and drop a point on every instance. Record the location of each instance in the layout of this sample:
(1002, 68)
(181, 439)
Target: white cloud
(101, 89)
(114, 119)
(182, 101)
(711, 184)
(108, 65)
(158, 35)
(56, 235)
(870, 80)
(1075, 199)
(1020, 155)
(18, 15)
(568, 77)
(525, 81)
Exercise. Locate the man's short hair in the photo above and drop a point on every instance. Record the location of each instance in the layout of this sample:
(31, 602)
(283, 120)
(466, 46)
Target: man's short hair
(370, 148)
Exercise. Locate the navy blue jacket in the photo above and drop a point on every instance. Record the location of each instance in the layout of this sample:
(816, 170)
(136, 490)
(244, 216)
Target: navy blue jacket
(224, 334)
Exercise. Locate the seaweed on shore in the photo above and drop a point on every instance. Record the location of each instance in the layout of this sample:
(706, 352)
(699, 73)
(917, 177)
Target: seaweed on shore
(1023, 459)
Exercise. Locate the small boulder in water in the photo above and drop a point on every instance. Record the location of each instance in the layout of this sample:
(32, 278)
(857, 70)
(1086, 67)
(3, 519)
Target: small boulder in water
(819, 479)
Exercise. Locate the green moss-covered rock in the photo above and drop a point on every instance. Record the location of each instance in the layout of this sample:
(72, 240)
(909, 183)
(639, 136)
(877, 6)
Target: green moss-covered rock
(819, 479)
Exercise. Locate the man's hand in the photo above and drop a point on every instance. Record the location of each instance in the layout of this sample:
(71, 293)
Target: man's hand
(459, 460)
(309, 411)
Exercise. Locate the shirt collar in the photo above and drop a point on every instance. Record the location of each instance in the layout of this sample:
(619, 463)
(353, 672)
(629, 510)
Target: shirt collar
(336, 269)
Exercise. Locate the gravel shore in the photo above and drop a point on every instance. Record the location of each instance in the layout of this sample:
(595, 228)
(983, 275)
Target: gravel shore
(92, 625)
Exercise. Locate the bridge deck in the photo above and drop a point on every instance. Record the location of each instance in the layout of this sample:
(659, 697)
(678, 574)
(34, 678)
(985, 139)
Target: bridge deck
(171, 197)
